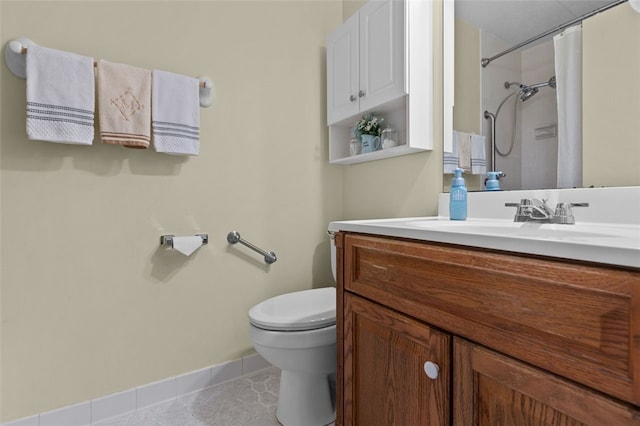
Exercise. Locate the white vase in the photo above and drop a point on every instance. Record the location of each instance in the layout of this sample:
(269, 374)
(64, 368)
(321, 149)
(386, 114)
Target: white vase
(370, 143)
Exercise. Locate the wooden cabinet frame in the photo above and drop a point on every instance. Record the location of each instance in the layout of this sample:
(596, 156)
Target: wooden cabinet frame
(577, 321)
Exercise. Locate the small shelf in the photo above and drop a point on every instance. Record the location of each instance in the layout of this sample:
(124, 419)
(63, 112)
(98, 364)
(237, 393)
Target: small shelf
(378, 155)
(395, 115)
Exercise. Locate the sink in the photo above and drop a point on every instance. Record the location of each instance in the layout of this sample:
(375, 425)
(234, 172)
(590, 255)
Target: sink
(614, 244)
(587, 233)
(608, 231)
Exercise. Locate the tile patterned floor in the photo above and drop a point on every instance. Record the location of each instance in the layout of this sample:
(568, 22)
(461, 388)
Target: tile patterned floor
(247, 401)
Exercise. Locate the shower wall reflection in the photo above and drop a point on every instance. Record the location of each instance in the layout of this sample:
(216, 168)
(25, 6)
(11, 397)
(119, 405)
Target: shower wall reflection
(526, 132)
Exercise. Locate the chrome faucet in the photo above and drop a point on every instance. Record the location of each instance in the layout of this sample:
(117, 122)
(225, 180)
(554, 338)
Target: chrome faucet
(535, 210)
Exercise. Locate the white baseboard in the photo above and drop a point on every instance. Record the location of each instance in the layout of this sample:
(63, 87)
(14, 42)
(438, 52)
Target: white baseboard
(100, 409)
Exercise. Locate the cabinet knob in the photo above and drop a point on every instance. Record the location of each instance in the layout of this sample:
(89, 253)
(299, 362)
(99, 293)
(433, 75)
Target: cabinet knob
(361, 93)
(352, 98)
(431, 369)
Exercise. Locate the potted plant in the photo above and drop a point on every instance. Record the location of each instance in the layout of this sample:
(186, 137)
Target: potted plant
(369, 128)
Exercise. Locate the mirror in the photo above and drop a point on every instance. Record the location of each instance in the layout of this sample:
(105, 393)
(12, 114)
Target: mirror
(516, 92)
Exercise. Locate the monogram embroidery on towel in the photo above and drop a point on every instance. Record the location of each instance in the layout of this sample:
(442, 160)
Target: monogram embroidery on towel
(127, 104)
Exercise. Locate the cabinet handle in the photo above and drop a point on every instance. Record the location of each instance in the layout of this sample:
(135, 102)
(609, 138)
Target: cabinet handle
(361, 93)
(352, 98)
(431, 369)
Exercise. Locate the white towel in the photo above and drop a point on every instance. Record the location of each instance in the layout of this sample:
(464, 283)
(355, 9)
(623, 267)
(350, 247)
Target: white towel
(464, 151)
(176, 113)
(60, 96)
(450, 159)
(124, 96)
(478, 155)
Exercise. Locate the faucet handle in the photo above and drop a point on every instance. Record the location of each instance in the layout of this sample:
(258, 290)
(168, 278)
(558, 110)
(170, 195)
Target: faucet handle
(518, 216)
(523, 202)
(564, 214)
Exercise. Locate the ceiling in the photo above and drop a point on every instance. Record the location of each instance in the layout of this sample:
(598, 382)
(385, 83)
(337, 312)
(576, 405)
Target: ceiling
(515, 21)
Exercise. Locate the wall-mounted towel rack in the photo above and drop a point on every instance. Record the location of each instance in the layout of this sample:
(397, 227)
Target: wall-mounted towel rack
(14, 56)
(234, 237)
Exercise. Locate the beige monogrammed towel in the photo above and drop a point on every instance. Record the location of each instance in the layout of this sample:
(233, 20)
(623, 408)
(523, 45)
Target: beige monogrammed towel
(124, 104)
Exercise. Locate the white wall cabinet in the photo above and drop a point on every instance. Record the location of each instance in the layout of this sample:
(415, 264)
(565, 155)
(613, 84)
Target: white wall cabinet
(366, 56)
(343, 64)
(380, 60)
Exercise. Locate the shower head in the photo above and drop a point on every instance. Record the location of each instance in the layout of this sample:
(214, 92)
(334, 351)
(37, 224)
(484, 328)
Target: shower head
(526, 92)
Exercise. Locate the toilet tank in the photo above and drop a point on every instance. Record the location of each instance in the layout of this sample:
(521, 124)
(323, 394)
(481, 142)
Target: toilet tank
(332, 244)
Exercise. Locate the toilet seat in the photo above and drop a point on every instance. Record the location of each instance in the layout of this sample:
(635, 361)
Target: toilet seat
(297, 311)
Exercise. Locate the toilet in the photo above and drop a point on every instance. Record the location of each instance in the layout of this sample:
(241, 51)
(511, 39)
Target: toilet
(296, 332)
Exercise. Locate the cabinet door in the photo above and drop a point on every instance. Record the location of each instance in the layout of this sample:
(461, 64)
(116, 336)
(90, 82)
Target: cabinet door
(385, 382)
(382, 52)
(342, 71)
(490, 389)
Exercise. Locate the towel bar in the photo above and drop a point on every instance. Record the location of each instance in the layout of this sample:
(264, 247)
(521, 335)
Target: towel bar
(234, 237)
(14, 57)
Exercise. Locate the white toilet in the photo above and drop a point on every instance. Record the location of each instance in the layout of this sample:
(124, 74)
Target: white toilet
(296, 332)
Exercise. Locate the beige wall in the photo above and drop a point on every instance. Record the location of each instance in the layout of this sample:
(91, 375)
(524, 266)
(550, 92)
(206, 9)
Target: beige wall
(349, 7)
(90, 304)
(468, 79)
(611, 98)
(468, 91)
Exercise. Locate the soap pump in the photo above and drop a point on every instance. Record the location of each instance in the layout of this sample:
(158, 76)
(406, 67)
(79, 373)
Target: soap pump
(458, 197)
(492, 183)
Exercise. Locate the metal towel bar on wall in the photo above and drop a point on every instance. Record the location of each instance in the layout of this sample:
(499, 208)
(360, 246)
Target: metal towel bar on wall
(15, 57)
(234, 237)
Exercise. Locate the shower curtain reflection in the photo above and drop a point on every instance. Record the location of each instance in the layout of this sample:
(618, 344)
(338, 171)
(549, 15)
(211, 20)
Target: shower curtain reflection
(568, 64)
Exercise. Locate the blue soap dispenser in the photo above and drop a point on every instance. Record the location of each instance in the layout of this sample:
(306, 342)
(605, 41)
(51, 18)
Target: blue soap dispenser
(492, 183)
(458, 197)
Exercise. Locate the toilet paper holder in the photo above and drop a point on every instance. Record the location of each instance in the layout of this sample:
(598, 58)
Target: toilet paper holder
(167, 240)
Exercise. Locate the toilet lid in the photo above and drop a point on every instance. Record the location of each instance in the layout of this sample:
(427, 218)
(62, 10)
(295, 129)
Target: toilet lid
(300, 310)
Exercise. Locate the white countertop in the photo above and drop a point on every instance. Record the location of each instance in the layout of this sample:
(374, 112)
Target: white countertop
(608, 231)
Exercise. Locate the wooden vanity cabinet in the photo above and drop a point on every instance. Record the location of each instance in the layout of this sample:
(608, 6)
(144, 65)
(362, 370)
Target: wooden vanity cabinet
(384, 358)
(491, 389)
(519, 340)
